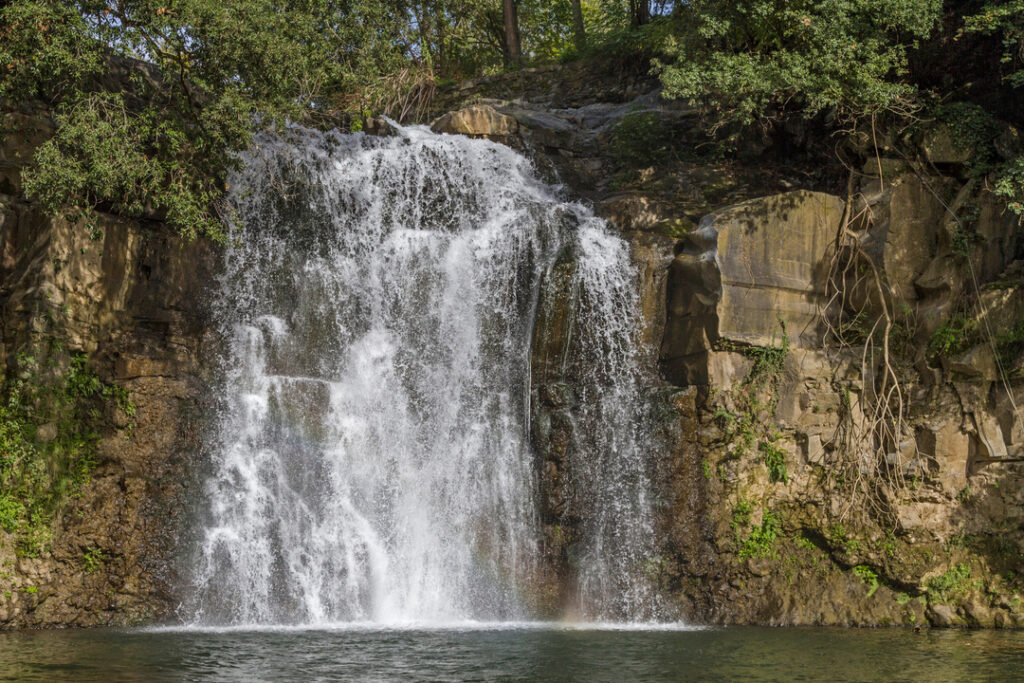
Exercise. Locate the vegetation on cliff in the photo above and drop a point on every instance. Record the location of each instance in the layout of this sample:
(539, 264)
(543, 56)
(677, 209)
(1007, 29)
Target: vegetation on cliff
(49, 428)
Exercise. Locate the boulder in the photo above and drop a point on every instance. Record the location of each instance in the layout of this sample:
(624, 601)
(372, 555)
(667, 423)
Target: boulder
(478, 121)
(379, 127)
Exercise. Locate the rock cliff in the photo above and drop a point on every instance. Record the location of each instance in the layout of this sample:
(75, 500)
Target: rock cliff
(833, 366)
(834, 377)
(112, 308)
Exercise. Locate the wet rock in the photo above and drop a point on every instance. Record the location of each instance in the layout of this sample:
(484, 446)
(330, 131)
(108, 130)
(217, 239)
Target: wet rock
(131, 300)
(379, 127)
(943, 615)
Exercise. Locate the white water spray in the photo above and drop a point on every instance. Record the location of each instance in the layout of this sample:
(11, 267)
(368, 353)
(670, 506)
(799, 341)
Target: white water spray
(371, 462)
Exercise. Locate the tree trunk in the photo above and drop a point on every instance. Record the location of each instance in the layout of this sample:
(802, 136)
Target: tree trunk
(513, 49)
(640, 12)
(579, 31)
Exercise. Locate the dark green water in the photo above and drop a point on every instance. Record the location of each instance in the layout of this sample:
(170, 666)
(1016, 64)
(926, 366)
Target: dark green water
(528, 654)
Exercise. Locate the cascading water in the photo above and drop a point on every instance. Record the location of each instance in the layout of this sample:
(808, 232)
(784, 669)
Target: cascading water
(372, 460)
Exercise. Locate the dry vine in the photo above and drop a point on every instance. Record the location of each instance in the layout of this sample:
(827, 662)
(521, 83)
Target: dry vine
(859, 316)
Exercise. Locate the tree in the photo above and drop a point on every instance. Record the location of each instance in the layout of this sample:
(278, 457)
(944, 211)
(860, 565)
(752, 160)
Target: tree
(754, 60)
(153, 100)
(639, 12)
(578, 28)
(513, 48)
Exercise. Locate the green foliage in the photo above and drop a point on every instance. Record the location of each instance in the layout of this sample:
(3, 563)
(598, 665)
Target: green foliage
(163, 138)
(1009, 184)
(761, 541)
(39, 474)
(768, 360)
(741, 514)
(1005, 17)
(775, 461)
(952, 337)
(867, 576)
(1010, 345)
(738, 428)
(641, 138)
(705, 467)
(805, 543)
(974, 128)
(92, 559)
(612, 34)
(757, 395)
(11, 513)
(888, 545)
(751, 60)
(948, 584)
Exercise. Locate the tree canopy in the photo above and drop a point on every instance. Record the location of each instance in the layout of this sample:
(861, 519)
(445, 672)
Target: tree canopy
(153, 99)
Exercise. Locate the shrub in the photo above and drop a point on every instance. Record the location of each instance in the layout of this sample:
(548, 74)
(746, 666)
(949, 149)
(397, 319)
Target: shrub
(761, 541)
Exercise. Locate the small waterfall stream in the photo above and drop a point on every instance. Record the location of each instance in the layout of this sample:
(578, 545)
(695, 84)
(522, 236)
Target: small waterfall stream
(372, 461)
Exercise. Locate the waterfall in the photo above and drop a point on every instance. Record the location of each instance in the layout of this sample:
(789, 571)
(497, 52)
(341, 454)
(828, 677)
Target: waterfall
(371, 461)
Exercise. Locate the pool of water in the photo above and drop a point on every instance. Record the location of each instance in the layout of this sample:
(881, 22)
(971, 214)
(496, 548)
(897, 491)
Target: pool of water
(521, 652)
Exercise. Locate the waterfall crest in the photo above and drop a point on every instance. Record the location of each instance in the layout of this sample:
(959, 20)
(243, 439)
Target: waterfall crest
(371, 461)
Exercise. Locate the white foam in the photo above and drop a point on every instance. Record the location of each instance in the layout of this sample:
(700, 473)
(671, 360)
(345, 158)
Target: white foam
(372, 460)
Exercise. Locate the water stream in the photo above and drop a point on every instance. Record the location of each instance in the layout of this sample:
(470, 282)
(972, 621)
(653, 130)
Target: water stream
(372, 460)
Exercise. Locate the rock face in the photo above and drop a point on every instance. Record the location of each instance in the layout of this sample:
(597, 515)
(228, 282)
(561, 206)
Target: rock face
(749, 273)
(782, 499)
(129, 297)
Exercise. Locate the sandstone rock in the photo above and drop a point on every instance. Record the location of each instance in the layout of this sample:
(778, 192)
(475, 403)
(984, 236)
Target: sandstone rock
(940, 277)
(948, 445)
(632, 212)
(1000, 237)
(976, 363)
(902, 224)
(747, 270)
(943, 615)
(989, 434)
(478, 121)
(887, 167)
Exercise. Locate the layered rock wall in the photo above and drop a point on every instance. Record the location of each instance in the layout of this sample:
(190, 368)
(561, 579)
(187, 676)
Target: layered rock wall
(835, 394)
(127, 297)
